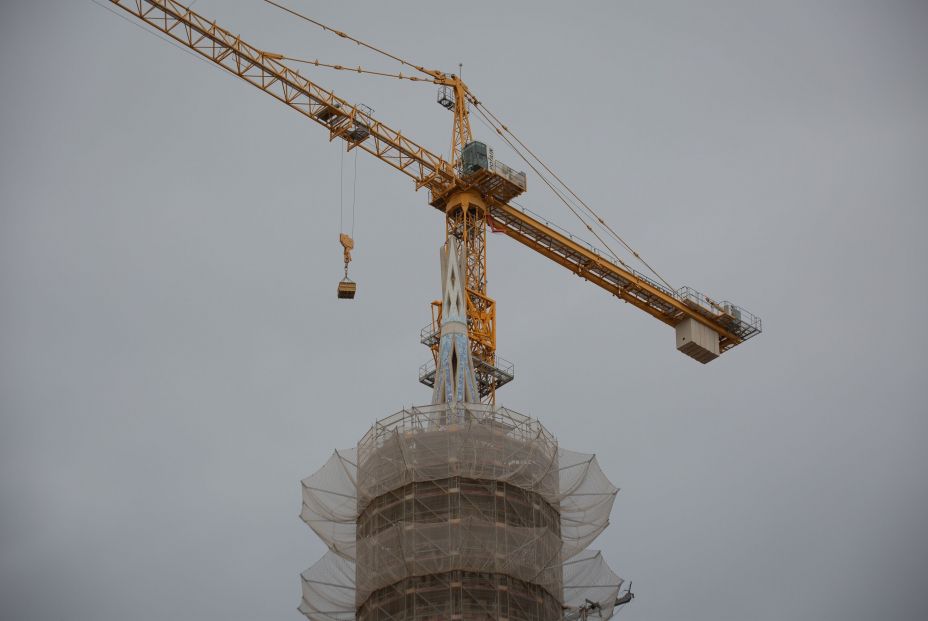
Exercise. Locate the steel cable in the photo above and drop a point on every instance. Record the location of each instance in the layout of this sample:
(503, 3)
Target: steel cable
(482, 108)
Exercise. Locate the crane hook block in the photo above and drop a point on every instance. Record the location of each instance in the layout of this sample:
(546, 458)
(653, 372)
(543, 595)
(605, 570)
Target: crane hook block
(346, 287)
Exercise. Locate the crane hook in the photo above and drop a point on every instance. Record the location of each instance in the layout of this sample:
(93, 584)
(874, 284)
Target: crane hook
(346, 287)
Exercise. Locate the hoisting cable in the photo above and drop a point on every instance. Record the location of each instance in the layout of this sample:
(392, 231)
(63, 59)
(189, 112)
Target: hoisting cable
(354, 192)
(482, 108)
(347, 241)
(341, 191)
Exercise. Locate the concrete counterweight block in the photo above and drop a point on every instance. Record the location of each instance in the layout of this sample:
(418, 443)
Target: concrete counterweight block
(697, 341)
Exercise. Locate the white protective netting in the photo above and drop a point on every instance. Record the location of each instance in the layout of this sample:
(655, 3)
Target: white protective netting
(588, 578)
(330, 502)
(445, 488)
(428, 443)
(329, 586)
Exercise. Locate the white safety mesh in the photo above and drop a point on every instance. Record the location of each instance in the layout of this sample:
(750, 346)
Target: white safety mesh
(587, 578)
(435, 491)
(330, 502)
(478, 442)
(329, 587)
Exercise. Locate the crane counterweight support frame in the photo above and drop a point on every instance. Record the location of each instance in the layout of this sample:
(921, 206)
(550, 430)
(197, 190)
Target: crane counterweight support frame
(669, 306)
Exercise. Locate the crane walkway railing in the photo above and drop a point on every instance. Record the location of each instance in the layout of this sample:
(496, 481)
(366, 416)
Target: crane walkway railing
(489, 377)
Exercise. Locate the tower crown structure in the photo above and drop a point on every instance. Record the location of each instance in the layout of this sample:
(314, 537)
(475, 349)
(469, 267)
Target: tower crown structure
(457, 510)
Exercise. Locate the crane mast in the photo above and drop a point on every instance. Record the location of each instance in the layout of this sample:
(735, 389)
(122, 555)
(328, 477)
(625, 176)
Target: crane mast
(472, 190)
(466, 227)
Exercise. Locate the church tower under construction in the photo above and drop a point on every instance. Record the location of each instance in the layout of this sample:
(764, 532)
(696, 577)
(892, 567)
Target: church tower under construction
(458, 510)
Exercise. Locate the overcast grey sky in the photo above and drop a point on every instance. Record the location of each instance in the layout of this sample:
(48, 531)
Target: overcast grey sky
(173, 359)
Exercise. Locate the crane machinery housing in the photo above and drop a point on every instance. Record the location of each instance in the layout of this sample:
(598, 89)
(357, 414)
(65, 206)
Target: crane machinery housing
(461, 509)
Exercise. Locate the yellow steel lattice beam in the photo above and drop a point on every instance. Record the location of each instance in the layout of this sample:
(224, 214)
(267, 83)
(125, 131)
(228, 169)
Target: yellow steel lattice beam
(636, 289)
(266, 72)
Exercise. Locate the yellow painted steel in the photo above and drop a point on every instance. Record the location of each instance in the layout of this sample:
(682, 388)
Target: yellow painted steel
(461, 133)
(469, 202)
(632, 288)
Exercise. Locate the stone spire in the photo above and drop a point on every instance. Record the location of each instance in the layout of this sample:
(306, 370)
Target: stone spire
(454, 373)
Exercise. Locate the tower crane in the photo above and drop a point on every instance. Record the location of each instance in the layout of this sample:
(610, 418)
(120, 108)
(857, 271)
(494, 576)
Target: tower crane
(471, 188)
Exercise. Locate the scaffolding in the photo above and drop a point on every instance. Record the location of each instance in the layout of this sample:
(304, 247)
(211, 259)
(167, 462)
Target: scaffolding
(457, 511)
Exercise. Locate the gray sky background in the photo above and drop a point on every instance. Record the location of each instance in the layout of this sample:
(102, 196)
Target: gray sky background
(173, 359)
